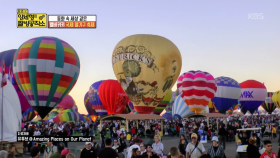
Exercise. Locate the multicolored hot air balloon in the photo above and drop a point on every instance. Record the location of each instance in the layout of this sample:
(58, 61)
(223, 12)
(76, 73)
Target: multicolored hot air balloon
(253, 94)
(112, 96)
(95, 100)
(180, 84)
(128, 108)
(55, 111)
(164, 102)
(227, 94)
(166, 114)
(276, 98)
(6, 58)
(29, 114)
(46, 69)
(268, 104)
(147, 67)
(67, 102)
(91, 112)
(68, 115)
(198, 89)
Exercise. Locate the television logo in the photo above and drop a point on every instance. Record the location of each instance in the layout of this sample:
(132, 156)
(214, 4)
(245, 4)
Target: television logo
(255, 16)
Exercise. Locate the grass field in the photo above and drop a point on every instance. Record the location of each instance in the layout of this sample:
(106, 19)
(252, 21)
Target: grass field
(97, 135)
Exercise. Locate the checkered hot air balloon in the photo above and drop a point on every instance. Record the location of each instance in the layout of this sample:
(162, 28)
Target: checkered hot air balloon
(268, 104)
(227, 94)
(198, 88)
(46, 69)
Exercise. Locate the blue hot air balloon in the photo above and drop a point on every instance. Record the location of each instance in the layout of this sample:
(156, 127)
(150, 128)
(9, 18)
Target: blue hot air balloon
(227, 94)
(180, 108)
(95, 100)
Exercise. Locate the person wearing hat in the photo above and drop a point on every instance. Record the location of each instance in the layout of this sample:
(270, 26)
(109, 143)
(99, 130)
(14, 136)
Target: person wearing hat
(64, 152)
(88, 151)
(216, 149)
(195, 149)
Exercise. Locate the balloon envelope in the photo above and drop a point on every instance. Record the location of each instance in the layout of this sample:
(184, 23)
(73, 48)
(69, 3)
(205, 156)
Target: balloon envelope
(253, 94)
(112, 96)
(198, 89)
(147, 67)
(67, 102)
(212, 108)
(181, 108)
(29, 114)
(91, 112)
(7, 58)
(95, 99)
(227, 94)
(46, 69)
(55, 112)
(268, 104)
(164, 102)
(276, 98)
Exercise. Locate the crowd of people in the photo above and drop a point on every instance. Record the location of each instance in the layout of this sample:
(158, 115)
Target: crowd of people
(189, 131)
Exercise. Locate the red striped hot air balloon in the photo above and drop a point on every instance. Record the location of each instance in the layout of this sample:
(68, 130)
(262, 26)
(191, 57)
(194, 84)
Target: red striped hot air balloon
(198, 88)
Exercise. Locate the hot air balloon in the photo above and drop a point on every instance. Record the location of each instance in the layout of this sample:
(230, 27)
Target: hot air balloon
(268, 104)
(112, 96)
(46, 69)
(180, 84)
(7, 58)
(67, 102)
(164, 102)
(29, 114)
(253, 94)
(166, 114)
(276, 98)
(95, 100)
(92, 113)
(128, 108)
(198, 89)
(66, 116)
(55, 112)
(75, 108)
(147, 67)
(212, 108)
(227, 94)
(180, 108)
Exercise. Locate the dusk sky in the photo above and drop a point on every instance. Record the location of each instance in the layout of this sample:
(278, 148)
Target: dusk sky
(212, 35)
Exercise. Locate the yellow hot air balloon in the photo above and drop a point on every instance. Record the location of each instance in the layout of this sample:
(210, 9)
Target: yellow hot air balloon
(276, 98)
(147, 67)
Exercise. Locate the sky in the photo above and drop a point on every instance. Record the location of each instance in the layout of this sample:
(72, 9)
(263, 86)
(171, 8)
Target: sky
(216, 36)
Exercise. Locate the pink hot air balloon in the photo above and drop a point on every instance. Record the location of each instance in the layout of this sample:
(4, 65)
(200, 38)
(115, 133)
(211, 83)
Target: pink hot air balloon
(67, 102)
(180, 83)
(198, 88)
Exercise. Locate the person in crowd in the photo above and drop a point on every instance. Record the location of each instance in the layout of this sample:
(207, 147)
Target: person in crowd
(49, 150)
(114, 135)
(183, 144)
(254, 135)
(136, 145)
(103, 134)
(88, 151)
(158, 146)
(122, 142)
(151, 141)
(70, 155)
(175, 153)
(215, 149)
(142, 148)
(108, 152)
(223, 135)
(117, 147)
(268, 150)
(252, 149)
(149, 152)
(11, 151)
(95, 145)
(57, 154)
(3, 154)
(135, 153)
(64, 152)
(35, 152)
(243, 137)
(195, 149)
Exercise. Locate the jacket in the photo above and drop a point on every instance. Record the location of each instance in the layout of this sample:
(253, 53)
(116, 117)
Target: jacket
(252, 151)
(47, 154)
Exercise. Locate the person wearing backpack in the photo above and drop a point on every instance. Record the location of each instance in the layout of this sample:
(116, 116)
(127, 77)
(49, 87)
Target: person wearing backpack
(195, 149)
(49, 150)
(95, 146)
